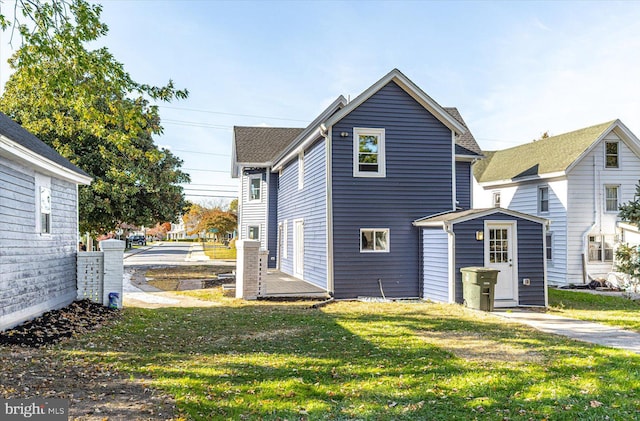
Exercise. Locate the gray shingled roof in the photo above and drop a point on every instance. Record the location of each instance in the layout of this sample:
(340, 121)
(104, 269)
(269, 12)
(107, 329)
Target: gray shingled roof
(466, 142)
(262, 144)
(18, 134)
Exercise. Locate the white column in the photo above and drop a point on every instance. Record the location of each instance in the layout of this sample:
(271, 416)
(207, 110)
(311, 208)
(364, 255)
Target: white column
(113, 269)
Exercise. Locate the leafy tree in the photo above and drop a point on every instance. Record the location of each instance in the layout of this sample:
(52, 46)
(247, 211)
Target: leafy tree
(85, 105)
(630, 211)
(233, 206)
(199, 219)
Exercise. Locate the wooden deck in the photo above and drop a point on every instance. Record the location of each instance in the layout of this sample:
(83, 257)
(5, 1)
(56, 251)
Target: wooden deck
(280, 284)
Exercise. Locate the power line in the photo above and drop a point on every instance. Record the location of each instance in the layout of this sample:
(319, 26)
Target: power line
(197, 169)
(212, 195)
(201, 153)
(231, 114)
(210, 185)
(211, 190)
(197, 124)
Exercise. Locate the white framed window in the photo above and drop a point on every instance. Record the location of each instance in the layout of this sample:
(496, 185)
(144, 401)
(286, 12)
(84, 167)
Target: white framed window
(611, 202)
(253, 232)
(543, 199)
(374, 240)
(601, 248)
(255, 187)
(300, 170)
(43, 204)
(496, 199)
(549, 246)
(45, 210)
(368, 152)
(611, 155)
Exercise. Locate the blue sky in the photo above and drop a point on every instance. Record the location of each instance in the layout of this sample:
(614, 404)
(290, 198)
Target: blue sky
(513, 69)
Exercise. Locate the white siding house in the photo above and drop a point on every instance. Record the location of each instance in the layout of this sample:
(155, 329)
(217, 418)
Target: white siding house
(38, 217)
(576, 180)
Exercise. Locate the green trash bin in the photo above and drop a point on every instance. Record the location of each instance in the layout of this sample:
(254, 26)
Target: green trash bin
(478, 287)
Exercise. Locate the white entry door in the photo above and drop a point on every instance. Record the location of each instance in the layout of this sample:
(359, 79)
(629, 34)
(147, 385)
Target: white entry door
(500, 254)
(298, 248)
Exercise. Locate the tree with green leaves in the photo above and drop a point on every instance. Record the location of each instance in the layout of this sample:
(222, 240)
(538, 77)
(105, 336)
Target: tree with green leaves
(85, 105)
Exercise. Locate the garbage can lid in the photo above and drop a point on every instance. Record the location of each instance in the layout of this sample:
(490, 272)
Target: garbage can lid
(478, 269)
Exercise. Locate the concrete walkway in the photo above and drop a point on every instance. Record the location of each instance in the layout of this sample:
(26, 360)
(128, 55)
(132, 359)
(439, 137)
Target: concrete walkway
(576, 329)
(196, 254)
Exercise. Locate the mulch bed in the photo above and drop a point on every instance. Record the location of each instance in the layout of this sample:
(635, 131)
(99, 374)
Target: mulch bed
(77, 318)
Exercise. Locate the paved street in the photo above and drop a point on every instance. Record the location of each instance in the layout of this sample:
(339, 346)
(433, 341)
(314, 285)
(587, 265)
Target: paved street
(170, 254)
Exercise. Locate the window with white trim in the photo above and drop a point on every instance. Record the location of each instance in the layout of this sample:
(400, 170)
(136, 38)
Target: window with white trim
(45, 210)
(612, 157)
(253, 232)
(496, 199)
(368, 152)
(300, 170)
(543, 199)
(601, 248)
(611, 198)
(255, 184)
(549, 246)
(374, 240)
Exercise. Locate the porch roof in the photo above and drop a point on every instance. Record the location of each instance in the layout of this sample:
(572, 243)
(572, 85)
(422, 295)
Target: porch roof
(448, 218)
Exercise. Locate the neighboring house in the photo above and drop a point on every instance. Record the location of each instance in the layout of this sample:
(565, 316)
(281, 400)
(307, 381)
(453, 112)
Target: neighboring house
(335, 203)
(577, 180)
(179, 231)
(38, 225)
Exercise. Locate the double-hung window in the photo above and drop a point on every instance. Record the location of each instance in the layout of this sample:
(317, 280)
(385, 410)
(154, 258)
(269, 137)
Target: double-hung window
(368, 152)
(253, 232)
(612, 157)
(374, 240)
(543, 199)
(601, 248)
(255, 183)
(611, 198)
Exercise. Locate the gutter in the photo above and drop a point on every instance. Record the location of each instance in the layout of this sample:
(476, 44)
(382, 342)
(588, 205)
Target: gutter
(448, 228)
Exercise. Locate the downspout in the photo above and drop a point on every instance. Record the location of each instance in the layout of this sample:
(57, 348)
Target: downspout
(329, 197)
(452, 262)
(585, 235)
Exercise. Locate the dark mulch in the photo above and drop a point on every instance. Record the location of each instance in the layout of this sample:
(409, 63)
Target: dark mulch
(77, 318)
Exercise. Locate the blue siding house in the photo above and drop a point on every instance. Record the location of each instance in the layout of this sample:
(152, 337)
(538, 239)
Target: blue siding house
(344, 196)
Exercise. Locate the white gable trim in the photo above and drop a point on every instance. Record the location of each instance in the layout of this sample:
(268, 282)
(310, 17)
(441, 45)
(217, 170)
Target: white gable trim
(16, 152)
(623, 133)
(412, 89)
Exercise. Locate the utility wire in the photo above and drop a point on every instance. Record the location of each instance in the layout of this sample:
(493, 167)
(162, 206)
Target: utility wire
(231, 114)
(197, 169)
(201, 153)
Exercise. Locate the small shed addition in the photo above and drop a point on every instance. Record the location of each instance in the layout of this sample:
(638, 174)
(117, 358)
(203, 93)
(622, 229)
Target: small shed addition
(509, 241)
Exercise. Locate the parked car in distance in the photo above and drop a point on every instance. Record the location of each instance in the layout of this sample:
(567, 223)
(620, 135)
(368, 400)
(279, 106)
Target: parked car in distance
(138, 239)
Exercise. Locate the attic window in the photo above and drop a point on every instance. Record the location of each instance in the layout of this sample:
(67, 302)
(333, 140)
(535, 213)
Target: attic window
(368, 153)
(612, 159)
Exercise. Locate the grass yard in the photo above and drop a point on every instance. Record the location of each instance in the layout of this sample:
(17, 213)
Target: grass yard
(615, 311)
(218, 251)
(351, 360)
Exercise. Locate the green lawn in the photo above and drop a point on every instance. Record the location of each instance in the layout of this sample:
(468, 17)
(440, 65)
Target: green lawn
(218, 251)
(615, 311)
(350, 360)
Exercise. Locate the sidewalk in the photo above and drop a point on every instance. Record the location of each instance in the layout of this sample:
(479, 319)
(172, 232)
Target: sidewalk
(196, 254)
(576, 329)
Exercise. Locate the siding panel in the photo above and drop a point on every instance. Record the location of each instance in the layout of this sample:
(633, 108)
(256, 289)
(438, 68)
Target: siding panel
(418, 183)
(463, 184)
(310, 205)
(31, 285)
(435, 267)
(470, 252)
